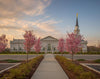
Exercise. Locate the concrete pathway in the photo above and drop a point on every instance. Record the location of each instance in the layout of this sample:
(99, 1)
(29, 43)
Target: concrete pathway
(49, 68)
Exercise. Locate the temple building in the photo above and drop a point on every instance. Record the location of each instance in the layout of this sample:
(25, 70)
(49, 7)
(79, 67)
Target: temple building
(48, 44)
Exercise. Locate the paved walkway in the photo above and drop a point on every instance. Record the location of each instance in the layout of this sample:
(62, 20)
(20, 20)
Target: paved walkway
(49, 69)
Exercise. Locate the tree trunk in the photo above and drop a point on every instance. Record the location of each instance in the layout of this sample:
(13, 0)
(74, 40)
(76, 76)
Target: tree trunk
(72, 56)
(37, 53)
(27, 57)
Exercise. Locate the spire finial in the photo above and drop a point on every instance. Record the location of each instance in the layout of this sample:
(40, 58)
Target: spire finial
(77, 19)
(77, 15)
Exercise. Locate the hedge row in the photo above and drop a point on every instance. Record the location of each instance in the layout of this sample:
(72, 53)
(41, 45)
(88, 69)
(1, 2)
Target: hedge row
(76, 71)
(20, 52)
(88, 53)
(61, 53)
(24, 70)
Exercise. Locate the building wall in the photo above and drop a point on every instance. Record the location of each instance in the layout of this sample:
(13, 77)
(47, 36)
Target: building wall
(84, 46)
(47, 43)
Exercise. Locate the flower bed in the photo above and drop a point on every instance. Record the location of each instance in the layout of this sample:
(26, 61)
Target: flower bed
(73, 70)
(23, 71)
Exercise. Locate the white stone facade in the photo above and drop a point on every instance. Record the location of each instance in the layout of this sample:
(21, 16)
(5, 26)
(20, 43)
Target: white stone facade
(84, 46)
(17, 45)
(48, 44)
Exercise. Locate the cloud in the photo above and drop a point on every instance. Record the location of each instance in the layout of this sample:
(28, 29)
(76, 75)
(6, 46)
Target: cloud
(8, 27)
(40, 28)
(12, 19)
(47, 26)
(92, 40)
(19, 8)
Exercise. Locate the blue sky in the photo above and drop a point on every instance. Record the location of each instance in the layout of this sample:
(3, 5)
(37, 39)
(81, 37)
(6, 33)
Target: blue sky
(50, 17)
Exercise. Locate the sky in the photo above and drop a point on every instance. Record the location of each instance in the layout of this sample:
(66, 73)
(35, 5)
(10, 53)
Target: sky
(50, 17)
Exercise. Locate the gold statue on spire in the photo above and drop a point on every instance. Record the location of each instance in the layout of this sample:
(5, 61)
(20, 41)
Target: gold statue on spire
(77, 15)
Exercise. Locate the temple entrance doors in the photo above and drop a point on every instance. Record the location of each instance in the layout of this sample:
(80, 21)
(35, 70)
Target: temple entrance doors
(49, 48)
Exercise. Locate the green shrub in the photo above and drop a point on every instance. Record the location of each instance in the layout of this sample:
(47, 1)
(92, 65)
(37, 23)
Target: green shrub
(77, 70)
(61, 53)
(80, 59)
(22, 70)
(21, 52)
(88, 53)
(11, 61)
(97, 61)
(86, 75)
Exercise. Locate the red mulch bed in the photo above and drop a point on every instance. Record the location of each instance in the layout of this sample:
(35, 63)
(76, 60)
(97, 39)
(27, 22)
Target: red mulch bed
(71, 75)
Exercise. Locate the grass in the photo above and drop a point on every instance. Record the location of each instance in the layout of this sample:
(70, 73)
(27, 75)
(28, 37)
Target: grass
(11, 61)
(97, 61)
(81, 60)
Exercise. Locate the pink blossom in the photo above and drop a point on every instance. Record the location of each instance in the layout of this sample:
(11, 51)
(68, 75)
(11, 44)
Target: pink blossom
(37, 45)
(61, 45)
(29, 40)
(3, 43)
(73, 43)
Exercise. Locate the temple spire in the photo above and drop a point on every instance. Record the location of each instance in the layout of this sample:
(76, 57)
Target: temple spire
(77, 30)
(77, 19)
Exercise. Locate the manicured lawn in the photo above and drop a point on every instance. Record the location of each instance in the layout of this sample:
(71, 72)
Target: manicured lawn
(97, 61)
(81, 60)
(11, 61)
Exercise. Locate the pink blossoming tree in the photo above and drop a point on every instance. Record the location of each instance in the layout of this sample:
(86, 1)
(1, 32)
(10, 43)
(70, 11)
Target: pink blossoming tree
(61, 45)
(73, 43)
(29, 41)
(37, 45)
(3, 43)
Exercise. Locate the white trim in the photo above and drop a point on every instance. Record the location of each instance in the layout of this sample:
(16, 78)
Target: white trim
(9, 67)
(85, 64)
